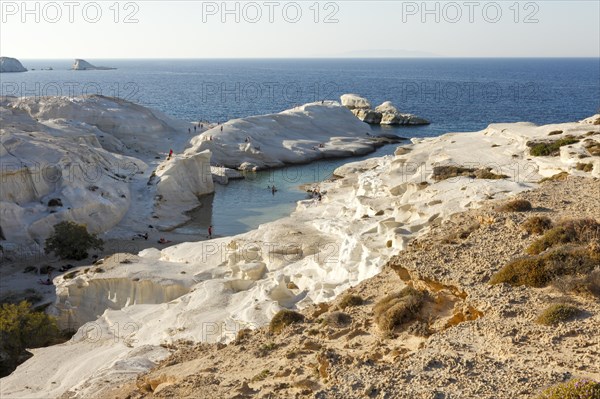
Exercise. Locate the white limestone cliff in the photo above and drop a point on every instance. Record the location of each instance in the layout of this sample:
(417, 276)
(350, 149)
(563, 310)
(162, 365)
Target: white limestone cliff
(299, 135)
(95, 155)
(368, 214)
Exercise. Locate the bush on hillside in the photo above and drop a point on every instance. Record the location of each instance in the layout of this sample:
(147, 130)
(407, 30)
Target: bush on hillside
(21, 328)
(72, 241)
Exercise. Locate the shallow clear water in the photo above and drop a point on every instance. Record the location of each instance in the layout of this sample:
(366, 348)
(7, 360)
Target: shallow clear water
(243, 205)
(454, 94)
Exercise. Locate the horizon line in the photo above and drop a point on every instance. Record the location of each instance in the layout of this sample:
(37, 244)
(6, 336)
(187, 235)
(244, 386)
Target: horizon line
(313, 58)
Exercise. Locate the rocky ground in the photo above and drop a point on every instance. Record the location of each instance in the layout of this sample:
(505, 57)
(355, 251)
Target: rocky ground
(471, 339)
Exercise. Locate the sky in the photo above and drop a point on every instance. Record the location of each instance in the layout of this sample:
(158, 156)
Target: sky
(266, 29)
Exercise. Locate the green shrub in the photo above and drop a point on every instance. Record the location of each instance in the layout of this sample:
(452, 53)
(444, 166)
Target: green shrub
(551, 148)
(449, 171)
(555, 132)
(540, 270)
(350, 300)
(518, 205)
(284, 318)
(574, 389)
(72, 241)
(537, 224)
(579, 231)
(20, 328)
(557, 313)
(30, 295)
(397, 309)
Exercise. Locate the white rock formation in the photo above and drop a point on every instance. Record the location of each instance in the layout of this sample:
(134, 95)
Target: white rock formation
(298, 135)
(368, 116)
(93, 154)
(181, 181)
(384, 114)
(354, 101)
(82, 65)
(226, 284)
(8, 64)
(222, 175)
(391, 116)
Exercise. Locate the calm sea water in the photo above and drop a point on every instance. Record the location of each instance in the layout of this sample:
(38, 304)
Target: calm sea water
(454, 94)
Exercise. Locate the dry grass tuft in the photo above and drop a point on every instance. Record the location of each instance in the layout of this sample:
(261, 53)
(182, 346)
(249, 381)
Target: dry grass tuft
(261, 376)
(593, 147)
(454, 238)
(557, 313)
(541, 270)
(397, 309)
(567, 231)
(571, 248)
(586, 285)
(243, 334)
(284, 318)
(350, 300)
(518, 205)
(337, 319)
(574, 389)
(537, 224)
(586, 167)
(562, 176)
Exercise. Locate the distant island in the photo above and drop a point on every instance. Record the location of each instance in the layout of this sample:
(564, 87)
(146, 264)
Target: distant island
(8, 64)
(83, 65)
(387, 53)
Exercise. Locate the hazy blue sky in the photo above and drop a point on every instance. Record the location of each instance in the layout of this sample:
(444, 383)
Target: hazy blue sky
(195, 29)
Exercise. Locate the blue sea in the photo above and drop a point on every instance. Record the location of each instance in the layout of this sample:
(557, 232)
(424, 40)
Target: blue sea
(456, 95)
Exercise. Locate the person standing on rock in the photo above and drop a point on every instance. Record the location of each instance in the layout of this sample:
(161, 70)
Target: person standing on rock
(170, 154)
(210, 228)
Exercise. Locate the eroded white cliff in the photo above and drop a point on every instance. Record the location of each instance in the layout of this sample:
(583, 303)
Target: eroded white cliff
(366, 216)
(93, 156)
